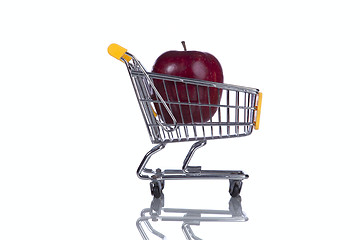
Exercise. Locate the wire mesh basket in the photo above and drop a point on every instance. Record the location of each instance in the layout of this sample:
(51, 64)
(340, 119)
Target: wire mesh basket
(178, 109)
(236, 115)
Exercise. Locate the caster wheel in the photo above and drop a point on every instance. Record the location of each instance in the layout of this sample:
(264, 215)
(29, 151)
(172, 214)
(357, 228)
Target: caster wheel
(156, 189)
(235, 187)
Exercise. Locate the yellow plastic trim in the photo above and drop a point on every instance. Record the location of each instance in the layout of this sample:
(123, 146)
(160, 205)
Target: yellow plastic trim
(155, 114)
(258, 111)
(118, 52)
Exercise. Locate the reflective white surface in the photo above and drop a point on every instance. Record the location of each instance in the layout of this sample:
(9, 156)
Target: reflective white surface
(188, 218)
(72, 135)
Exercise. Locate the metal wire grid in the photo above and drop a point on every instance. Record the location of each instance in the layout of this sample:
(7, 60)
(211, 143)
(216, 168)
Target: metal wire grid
(234, 117)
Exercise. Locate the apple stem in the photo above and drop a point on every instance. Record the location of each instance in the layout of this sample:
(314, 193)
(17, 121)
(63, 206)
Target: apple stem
(183, 43)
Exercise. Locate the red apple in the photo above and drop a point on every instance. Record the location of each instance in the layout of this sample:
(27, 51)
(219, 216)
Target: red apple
(189, 64)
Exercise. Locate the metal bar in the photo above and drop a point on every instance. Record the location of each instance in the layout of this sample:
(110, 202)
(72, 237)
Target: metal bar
(208, 95)
(200, 108)
(194, 147)
(237, 112)
(245, 112)
(199, 82)
(228, 111)
(204, 138)
(180, 108)
(219, 114)
(174, 174)
(200, 104)
(226, 124)
(190, 111)
(141, 169)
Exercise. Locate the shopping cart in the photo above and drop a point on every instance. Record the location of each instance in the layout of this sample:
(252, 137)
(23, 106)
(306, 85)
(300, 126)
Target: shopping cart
(236, 115)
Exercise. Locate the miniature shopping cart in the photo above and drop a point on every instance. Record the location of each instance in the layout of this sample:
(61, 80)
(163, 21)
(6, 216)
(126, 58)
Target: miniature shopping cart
(236, 115)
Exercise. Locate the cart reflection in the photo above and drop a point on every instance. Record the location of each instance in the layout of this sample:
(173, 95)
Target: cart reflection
(188, 217)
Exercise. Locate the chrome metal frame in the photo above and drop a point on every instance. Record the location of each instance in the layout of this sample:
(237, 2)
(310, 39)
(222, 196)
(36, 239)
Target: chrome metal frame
(187, 171)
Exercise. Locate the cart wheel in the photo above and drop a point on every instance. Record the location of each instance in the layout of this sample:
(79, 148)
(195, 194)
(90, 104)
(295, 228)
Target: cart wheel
(156, 189)
(235, 187)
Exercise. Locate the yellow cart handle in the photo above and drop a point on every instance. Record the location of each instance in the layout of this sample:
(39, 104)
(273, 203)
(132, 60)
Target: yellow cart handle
(118, 52)
(258, 111)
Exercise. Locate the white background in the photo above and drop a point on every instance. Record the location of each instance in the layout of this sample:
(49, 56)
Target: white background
(72, 135)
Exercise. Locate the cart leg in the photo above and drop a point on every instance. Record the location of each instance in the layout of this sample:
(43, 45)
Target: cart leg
(157, 184)
(191, 169)
(141, 169)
